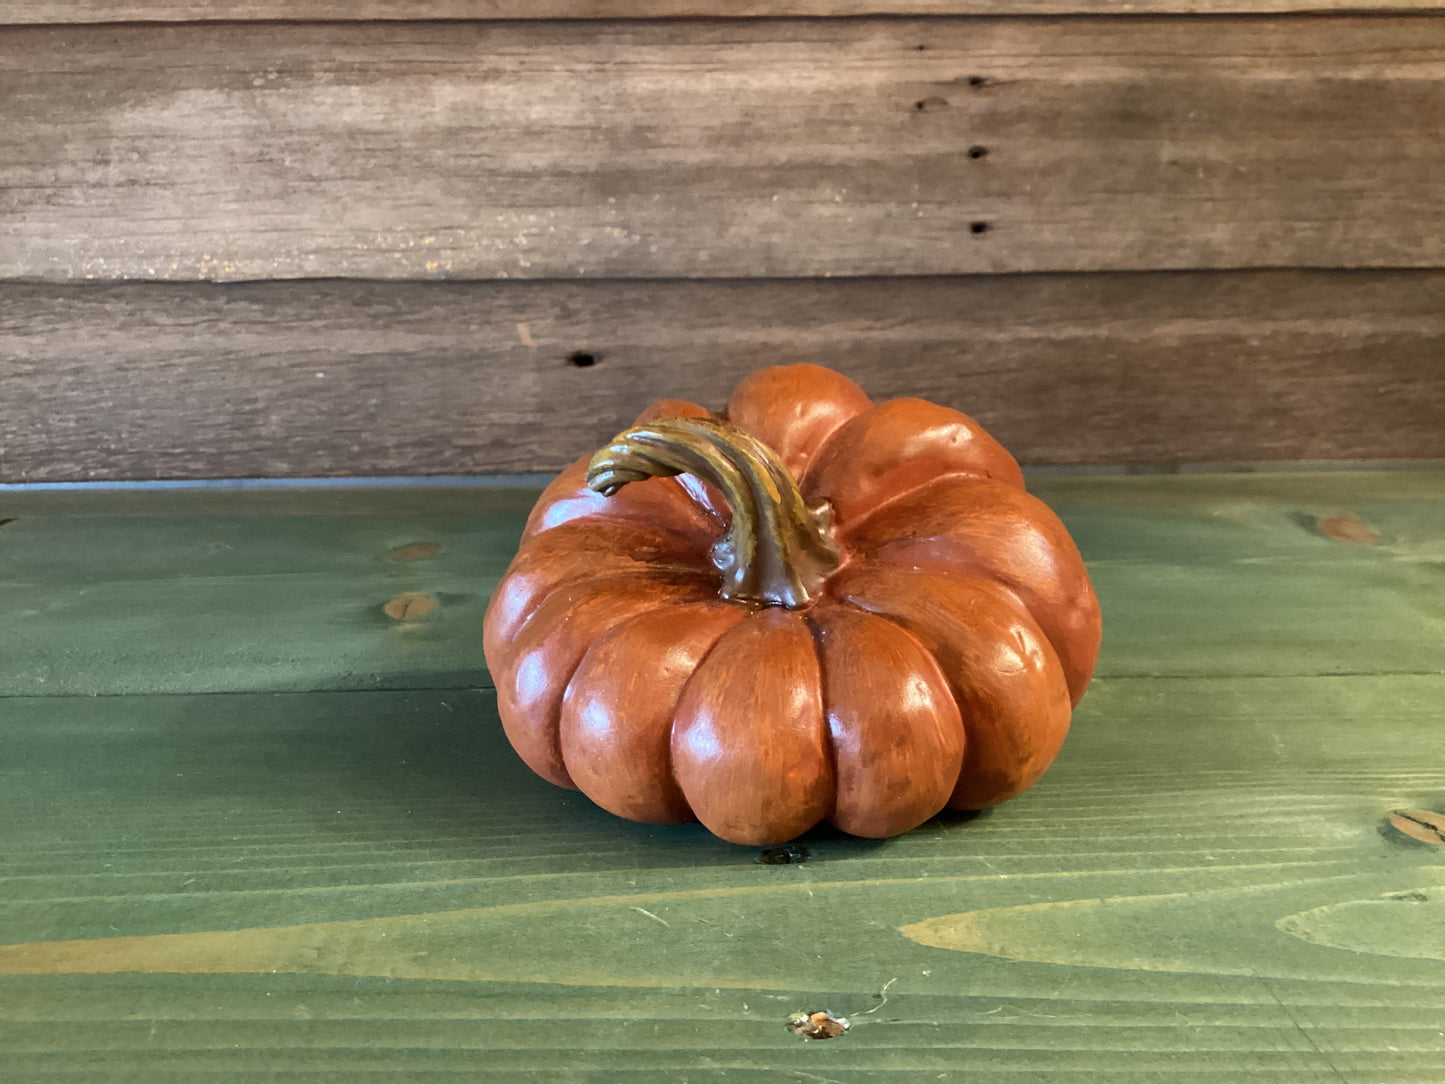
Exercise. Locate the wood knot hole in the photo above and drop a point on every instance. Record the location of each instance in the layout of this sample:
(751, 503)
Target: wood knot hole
(414, 551)
(410, 606)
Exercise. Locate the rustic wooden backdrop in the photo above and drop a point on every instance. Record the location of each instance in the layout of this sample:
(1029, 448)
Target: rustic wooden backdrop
(454, 236)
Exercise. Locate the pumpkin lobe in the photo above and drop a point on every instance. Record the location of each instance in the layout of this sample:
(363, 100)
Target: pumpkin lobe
(962, 525)
(616, 724)
(749, 740)
(897, 737)
(1004, 676)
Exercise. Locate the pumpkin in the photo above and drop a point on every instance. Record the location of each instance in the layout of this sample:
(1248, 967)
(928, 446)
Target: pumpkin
(807, 608)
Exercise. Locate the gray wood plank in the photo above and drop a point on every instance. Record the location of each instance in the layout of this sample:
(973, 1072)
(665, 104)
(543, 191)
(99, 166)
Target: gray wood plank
(337, 886)
(39, 12)
(318, 379)
(1195, 581)
(711, 148)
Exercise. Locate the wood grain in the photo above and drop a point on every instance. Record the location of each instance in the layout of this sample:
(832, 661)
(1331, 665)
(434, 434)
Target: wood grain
(19, 12)
(322, 379)
(713, 148)
(1196, 576)
(331, 884)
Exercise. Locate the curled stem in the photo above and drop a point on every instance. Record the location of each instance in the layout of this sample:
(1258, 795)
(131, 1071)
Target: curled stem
(779, 549)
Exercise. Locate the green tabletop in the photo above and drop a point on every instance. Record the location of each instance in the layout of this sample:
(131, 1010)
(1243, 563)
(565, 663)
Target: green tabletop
(258, 820)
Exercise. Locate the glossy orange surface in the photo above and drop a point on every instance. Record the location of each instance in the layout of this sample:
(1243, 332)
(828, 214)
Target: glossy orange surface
(938, 667)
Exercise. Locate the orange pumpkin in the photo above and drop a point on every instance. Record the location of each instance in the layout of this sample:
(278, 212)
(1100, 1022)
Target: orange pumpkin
(809, 608)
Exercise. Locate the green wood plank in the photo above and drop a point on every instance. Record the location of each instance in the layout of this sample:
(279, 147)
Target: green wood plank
(106, 605)
(1198, 575)
(370, 885)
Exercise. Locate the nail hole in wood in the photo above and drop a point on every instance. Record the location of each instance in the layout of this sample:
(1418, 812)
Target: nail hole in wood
(978, 81)
(978, 227)
(582, 359)
(977, 152)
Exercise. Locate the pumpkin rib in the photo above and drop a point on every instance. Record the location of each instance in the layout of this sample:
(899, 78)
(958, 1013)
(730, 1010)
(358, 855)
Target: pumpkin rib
(1014, 701)
(582, 549)
(672, 725)
(830, 749)
(601, 579)
(615, 728)
(536, 666)
(749, 738)
(959, 522)
(894, 773)
(794, 409)
(897, 447)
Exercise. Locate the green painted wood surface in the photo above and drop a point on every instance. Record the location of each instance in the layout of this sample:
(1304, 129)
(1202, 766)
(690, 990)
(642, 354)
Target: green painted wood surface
(172, 592)
(250, 828)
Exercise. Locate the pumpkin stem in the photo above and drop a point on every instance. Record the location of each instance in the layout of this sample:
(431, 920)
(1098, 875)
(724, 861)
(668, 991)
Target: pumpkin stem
(779, 549)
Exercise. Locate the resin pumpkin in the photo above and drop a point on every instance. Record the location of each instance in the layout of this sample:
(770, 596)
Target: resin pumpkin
(807, 608)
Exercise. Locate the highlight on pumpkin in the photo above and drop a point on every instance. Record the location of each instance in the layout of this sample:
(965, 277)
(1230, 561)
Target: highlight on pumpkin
(807, 608)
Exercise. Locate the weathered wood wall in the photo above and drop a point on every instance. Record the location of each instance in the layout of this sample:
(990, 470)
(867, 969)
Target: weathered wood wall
(264, 247)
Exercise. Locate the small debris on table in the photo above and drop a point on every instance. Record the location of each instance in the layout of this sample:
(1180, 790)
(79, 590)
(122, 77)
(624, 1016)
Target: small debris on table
(790, 854)
(817, 1025)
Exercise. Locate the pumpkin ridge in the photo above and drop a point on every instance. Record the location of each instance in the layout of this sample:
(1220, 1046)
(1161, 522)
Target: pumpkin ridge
(748, 738)
(525, 584)
(681, 580)
(917, 754)
(974, 689)
(901, 627)
(828, 746)
(855, 525)
(681, 693)
(795, 409)
(898, 446)
(1058, 597)
(635, 778)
